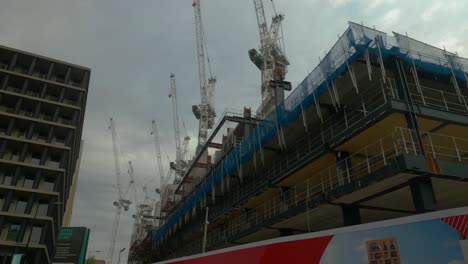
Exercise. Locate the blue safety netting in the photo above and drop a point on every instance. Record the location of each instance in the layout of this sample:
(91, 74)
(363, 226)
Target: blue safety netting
(351, 45)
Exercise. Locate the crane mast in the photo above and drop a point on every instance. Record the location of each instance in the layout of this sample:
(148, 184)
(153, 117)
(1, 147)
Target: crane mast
(270, 59)
(204, 112)
(157, 146)
(131, 173)
(121, 202)
(175, 113)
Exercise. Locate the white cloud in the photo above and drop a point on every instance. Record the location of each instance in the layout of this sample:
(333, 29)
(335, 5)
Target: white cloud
(452, 43)
(438, 6)
(378, 3)
(390, 19)
(339, 3)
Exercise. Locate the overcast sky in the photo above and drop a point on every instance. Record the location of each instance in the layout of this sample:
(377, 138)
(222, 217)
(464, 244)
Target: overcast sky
(132, 46)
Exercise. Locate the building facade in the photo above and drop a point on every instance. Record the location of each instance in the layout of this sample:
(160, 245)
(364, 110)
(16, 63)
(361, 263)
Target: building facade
(383, 251)
(378, 130)
(42, 105)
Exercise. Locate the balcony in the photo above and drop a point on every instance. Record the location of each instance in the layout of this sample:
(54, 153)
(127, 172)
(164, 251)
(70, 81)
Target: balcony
(334, 182)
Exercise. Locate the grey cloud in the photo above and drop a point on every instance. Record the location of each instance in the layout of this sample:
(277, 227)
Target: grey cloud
(132, 46)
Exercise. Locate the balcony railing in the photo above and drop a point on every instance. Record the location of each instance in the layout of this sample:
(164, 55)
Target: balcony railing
(335, 128)
(360, 164)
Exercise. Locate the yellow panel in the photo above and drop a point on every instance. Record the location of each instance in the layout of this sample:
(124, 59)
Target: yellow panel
(260, 199)
(454, 130)
(309, 170)
(427, 125)
(371, 135)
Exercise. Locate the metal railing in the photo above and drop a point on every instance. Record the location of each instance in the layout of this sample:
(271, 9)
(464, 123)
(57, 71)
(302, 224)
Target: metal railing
(438, 99)
(334, 128)
(358, 165)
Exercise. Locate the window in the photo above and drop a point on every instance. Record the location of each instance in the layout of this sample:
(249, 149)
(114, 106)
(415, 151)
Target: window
(60, 78)
(21, 69)
(2, 201)
(40, 74)
(15, 155)
(47, 185)
(22, 132)
(36, 158)
(13, 232)
(76, 82)
(3, 65)
(42, 137)
(7, 180)
(36, 234)
(42, 208)
(3, 129)
(54, 161)
(21, 207)
(28, 182)
(60, 139)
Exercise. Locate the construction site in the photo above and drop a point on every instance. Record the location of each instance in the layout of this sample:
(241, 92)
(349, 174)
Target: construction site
(377, 131)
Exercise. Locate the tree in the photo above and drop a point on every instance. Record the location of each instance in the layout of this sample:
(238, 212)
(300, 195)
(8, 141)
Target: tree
(91, 260)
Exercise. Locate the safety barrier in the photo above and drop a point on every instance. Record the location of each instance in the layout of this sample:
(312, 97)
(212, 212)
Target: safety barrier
(360, 164)
(357, 41)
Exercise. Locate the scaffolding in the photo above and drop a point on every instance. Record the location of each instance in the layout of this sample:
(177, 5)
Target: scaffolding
(358, 41)
(368, 160)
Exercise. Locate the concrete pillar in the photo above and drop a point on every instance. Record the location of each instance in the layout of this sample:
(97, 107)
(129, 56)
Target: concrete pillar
(30, 132)
(24, 87)
(37, 109)
(11, 125)
(85, 80)
(32, 66)
(16, 176)
(5, 81)
(44, 156)
(18, 105)
(423, 195)
(56, 114)
(62, 95)
(22, 231)
(351, 214)
(13, 62)
(50, 70)
(30, 204)
(50, 134)
(2, 147)
(67, 76)
(43, 90)
(37, 178)
(8, 199)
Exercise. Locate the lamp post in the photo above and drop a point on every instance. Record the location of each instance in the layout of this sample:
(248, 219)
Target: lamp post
(120, 252)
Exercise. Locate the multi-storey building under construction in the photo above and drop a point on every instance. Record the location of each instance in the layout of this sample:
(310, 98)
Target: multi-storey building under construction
(378, 130)
(42, 104)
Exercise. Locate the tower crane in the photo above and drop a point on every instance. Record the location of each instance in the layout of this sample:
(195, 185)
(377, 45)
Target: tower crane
(175, 115)
(180, 164)
(205, 111)
(132, 183)
(184, 149)
(157, 146)
(270, 59)
(121, 202)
